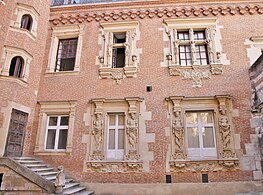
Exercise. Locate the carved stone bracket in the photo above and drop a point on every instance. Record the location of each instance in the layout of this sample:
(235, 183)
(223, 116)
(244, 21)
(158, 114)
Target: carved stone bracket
(127, 166)
(196, 74)
(204, 166)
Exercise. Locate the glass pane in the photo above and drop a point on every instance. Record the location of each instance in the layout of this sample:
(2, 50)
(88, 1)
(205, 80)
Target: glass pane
(62, 141)
(208, 137)
(191, 118)
(188, 48)
(121, 120)
(182, 48)
(206, 117)
(64, 120)
(112, 139)
(53, 121)
(121, 139)
(51, 139)
(112, 120)
(193, 138)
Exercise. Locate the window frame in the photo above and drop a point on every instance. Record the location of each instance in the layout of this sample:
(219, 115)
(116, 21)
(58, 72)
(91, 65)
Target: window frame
(25, 21)
(131, 53)
(57, 134)
(49, 108)
(21, 10)
(211, 151)
(61, 33)
(18, 67)
(10, 53)
(118, 153)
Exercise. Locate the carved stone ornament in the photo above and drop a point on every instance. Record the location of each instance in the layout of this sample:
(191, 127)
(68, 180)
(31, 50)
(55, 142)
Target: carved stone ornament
(161, 12)
(204, 166)
(114, 166)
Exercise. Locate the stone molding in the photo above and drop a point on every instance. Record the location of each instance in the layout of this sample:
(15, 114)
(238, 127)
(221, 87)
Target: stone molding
(163, 12)
(204, 166)
(124, 166)
(221, 106)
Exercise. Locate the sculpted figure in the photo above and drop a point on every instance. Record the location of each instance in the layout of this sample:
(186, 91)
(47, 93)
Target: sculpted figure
(132, 131)
(97, 132)
(177, 131)
(225, 130)
(60, 180)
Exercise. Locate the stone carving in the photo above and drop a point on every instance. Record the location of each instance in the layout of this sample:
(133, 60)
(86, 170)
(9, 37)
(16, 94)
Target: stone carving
(114, 166)
(97, 133)
(178, 136)
(203, 166)
(117, 76)
(162, 12)
(60, 180)
(195, 74)
(225, 130)
(132, 137)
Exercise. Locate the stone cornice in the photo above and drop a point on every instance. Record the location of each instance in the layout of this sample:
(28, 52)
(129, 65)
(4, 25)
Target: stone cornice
(176, 11)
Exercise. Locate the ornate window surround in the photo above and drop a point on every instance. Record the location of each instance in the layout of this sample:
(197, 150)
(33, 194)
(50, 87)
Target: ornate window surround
(97, 160)
(131, 52)
(9, 54)
(64, 32)
(21, 10)
(194, 72)
(224, 133)
(54, 108)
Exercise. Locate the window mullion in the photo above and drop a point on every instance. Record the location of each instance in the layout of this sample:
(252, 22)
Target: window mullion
(192, 44)
(57, 132)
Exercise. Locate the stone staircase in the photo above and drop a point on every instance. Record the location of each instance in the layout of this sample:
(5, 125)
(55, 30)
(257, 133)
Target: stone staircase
(49, 173)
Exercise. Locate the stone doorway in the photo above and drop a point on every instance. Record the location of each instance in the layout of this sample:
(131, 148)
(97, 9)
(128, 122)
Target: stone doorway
(16, 133)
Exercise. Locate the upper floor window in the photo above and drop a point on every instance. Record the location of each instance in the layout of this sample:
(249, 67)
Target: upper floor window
(26, 22)
(66, 55)
(65, 49)
(16, 67)
(57, 132)
(200, 134)
(118, 56)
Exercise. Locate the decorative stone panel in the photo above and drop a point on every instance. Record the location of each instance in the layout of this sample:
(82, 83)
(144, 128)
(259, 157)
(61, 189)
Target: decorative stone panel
(224, 133)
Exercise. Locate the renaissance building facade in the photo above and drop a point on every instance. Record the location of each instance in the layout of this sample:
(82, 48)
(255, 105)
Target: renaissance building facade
(132, 92)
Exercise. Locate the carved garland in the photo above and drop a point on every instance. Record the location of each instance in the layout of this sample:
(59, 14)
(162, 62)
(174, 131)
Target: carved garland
(160, 13)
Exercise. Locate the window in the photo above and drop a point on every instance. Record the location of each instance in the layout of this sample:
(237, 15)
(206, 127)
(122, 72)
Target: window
(55, 128)
(189, 44)
(116, 130)
(16, 64)
(118, 50)
(16, 67)
(26, 22)
(65, 49)
(57, 131)
(194, 49)
(66, 55)
(118, 57)
(200, 134)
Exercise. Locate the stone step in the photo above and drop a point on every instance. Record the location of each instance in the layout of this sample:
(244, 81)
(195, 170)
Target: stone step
(50, 178)
(70, 185)
(24, 158)
(35, 165)
(74, 190)
(29, 161)
(85, 192)
(47, 173)
(38, 170)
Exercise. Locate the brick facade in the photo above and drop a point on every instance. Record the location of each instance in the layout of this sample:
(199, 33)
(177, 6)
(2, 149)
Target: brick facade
(225, 90)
